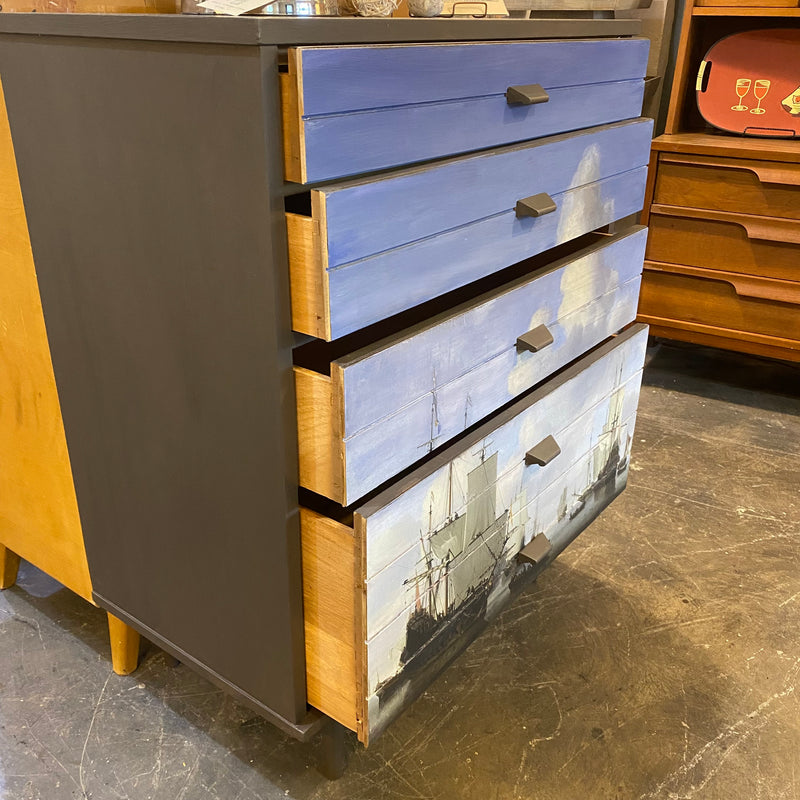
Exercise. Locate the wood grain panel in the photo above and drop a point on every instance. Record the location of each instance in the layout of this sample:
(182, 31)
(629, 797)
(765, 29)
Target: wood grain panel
(38, 509)
(308, 277)
(292, 121)
(707, 144)
(718, 244)
(330, 585)
(715, 301)
(320, 432)
(736, 185)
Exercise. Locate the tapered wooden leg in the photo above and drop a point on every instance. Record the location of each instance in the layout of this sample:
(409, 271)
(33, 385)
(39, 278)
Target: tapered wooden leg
(9, 566)
(124, 646)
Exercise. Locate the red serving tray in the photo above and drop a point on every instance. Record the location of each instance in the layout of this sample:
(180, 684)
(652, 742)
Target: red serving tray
(749, 83)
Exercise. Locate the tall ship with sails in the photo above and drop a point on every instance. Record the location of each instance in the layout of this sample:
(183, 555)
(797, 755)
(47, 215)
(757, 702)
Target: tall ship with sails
(458, 557)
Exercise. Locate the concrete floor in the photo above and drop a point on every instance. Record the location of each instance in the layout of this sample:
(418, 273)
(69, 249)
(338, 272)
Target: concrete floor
(658, 658)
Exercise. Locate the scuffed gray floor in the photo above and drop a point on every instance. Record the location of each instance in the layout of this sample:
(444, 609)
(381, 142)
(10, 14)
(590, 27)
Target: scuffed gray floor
(658, 658)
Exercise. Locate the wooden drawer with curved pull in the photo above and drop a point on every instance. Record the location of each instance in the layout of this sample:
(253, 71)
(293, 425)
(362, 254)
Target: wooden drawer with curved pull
(358, 109)
(384, 407)
(732, 242)
(724, 304)
(377, 246)
(762, 188)
(397, 587)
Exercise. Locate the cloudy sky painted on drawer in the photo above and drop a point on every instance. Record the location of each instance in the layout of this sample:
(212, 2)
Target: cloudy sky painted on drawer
(463, 368)
(425, 201)
(378, 287)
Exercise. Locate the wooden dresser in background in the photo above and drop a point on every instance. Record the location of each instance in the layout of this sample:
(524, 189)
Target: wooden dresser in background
(722, 264)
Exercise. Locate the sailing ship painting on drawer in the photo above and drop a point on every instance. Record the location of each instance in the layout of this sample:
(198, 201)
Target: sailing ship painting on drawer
(442, 557)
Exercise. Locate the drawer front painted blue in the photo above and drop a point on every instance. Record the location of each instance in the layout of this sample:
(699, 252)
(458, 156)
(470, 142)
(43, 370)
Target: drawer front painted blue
(350, 144)
(369, 290)
(373, 215)
(459, 524)
(459, 369)
(371, 108)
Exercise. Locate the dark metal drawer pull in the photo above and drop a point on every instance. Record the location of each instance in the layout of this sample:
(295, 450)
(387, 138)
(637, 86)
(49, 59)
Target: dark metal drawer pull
(543, 453)
(536, 205)
(535, 340)
(529, 95)
(536, 550)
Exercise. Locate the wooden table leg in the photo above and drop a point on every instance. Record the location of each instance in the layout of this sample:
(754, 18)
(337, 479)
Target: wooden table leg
(9, 566)
(124, 646)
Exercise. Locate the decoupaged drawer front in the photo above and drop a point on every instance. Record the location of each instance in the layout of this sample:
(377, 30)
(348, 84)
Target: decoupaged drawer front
(397, 590)
(730, 242)
(385, 407)
(763, 188)
(374, 247)
(356, 109)
(726, 304)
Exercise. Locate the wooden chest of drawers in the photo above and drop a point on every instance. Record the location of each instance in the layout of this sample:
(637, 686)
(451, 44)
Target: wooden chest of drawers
(343, 357)
(723, 257)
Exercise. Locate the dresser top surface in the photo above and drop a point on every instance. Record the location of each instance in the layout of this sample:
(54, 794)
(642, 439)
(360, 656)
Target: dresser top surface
(304, 30)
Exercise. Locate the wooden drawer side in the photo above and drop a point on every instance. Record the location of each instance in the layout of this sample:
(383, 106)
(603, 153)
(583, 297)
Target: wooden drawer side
(308, 278)
(320, 434)
(331, 585)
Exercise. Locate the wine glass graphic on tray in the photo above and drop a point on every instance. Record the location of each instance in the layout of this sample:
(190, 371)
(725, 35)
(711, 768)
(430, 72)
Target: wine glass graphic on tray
(760, 91)
(742, 88)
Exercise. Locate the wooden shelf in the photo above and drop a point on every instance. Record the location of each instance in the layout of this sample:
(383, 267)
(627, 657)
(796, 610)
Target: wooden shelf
(734, 11)
(710, 144)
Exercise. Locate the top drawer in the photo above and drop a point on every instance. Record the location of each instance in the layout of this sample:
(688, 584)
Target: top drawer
(349, 110)
(763, 188)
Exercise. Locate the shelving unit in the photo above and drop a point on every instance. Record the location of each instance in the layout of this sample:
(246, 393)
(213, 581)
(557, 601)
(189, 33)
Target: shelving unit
(718, 271)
